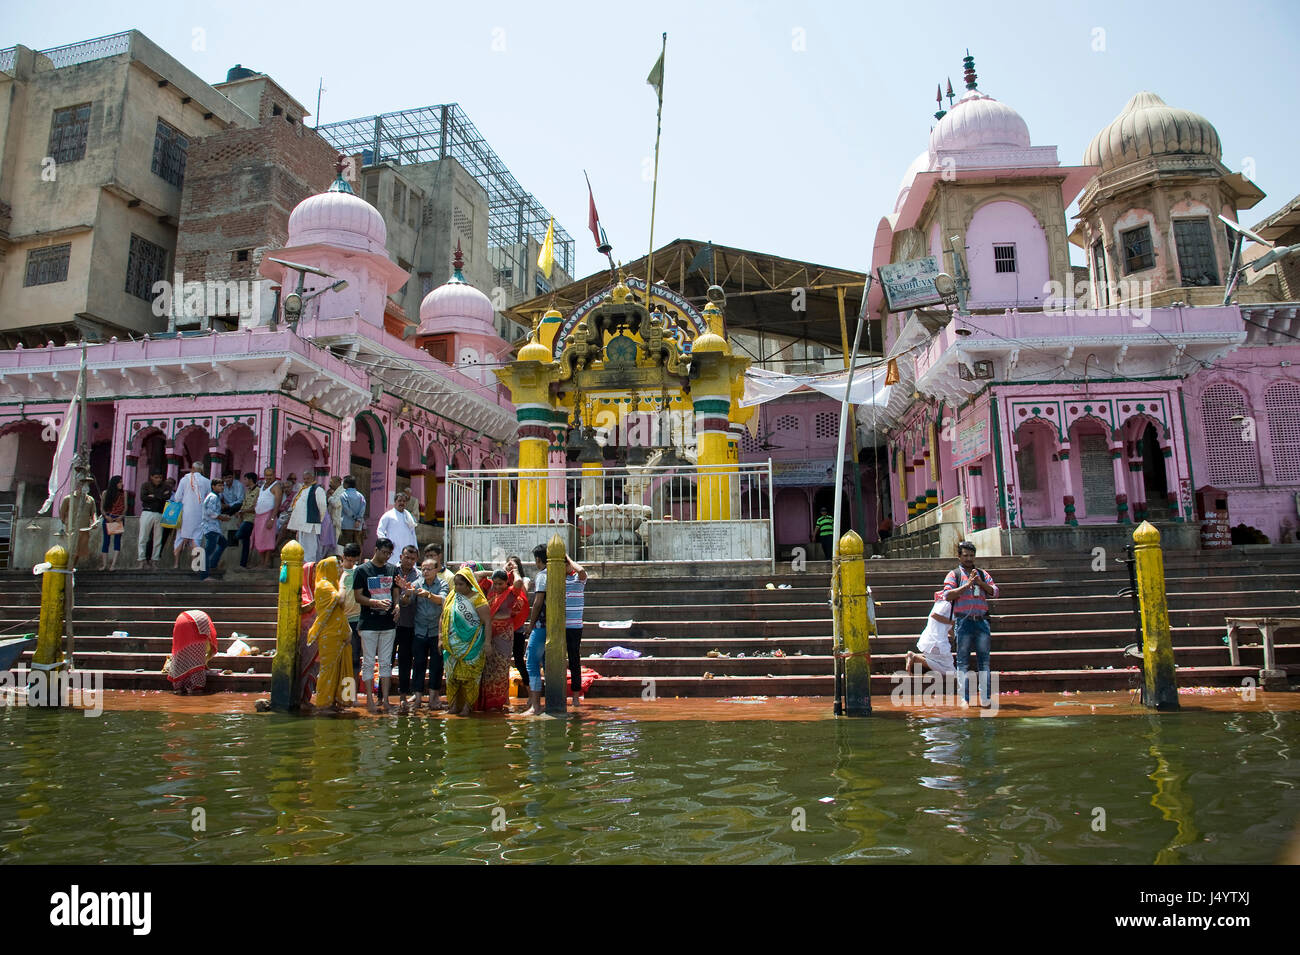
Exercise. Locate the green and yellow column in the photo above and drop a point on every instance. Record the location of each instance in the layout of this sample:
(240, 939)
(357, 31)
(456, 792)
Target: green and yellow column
(855, 625)
(711, 402)
(49, 632)
(1159, 685)
(528, 379)
(284, 668)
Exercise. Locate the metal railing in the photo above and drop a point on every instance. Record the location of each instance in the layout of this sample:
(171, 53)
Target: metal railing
(7, 58)
(85, 51)
(616, 515)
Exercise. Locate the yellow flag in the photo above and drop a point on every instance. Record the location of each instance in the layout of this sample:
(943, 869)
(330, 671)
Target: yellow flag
(546, 259)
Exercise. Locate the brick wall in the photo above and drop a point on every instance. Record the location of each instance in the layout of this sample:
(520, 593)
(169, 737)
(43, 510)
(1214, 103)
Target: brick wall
(240, 186)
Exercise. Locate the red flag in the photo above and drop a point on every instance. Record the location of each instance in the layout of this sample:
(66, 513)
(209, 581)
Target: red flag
(593, 221)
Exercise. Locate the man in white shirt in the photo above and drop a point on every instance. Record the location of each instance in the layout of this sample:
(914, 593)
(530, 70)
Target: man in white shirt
(192, 490)
(397, 524)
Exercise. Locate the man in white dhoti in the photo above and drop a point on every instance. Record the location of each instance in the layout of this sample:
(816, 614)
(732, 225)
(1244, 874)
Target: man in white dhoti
(935, 652)
(305, 517)
(191, 490)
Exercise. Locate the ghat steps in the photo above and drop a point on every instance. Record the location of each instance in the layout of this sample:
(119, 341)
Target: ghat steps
(1058, 624)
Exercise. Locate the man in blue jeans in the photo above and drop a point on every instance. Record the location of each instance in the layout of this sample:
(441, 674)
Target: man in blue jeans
(969, 588)
(211, 534)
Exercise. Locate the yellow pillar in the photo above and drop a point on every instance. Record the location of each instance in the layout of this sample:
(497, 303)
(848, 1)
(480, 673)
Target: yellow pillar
(284, 668)
(1160, 687)
(49, 633)
(557, 657)
(855, 625)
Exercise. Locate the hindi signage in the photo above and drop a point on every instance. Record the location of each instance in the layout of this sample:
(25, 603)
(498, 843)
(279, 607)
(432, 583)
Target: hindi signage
(971, 442)
(910, 284)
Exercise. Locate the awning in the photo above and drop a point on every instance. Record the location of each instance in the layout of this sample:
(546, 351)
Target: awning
(868, 385)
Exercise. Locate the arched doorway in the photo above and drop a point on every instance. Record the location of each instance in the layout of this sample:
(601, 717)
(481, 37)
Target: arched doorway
(238, 454)
(1154, 476)
(26, 460)
(152, 455)
(1035, 448)
(368, 463)
(435, 484)
(300, 457)
(1092, 473)
(191, 443)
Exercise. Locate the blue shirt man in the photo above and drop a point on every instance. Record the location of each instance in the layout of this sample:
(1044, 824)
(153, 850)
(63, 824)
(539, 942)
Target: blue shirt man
(354, 505)
(233, 496)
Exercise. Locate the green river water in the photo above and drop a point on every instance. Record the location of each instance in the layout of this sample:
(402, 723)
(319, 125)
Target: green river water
(147, 787)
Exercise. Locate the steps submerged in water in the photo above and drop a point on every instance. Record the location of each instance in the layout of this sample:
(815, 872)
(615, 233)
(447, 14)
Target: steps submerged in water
(1058, 625)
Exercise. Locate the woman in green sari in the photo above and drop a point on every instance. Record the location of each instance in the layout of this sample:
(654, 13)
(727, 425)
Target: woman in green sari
(466, 623)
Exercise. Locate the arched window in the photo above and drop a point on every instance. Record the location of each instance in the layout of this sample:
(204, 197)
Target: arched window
(1282, 406)
(1231, 448)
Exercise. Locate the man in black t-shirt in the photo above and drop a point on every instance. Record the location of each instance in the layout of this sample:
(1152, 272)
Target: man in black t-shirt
(377, 590)
(153, 498)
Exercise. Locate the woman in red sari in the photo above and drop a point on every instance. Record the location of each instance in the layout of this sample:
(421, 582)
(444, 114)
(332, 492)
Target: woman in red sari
(308, 650)
(194, 643)
(494, 693)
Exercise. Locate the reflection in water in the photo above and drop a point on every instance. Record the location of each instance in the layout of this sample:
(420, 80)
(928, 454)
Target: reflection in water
(417, 789)
(1170, 797)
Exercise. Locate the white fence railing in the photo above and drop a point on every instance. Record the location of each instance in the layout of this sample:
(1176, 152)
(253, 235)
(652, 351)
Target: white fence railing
(614, 515)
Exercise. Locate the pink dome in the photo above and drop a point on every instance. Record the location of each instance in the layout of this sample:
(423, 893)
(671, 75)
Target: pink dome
(457, 307)
(338, 218)
(977, 121)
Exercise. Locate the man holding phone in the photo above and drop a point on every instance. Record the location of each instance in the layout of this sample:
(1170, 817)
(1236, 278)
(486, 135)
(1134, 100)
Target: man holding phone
(968, 588)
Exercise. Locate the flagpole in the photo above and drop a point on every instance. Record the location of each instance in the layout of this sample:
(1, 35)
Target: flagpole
(654, 190)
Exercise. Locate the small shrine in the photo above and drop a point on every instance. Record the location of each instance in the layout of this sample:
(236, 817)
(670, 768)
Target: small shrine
(646, 397)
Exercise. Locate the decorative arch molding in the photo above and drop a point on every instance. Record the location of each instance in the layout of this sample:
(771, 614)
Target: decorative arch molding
(377, 428)
(1001, 197)
(1134, 426)
(1036, 424)
(225, 425)
(22, 424)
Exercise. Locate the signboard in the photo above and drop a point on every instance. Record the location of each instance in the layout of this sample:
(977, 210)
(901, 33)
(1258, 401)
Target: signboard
(803, 473)
(910, 284)
(971, 442)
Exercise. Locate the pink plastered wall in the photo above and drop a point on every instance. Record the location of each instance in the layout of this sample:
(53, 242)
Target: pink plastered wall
(1001, 222)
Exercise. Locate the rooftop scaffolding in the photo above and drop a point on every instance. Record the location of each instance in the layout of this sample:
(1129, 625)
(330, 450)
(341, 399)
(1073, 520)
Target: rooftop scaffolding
(436, 132)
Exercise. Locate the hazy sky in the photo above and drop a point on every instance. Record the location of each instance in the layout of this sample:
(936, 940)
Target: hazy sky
(786, 126)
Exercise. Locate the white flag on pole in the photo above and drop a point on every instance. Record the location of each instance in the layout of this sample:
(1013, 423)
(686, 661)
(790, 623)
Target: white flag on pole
(64, 432)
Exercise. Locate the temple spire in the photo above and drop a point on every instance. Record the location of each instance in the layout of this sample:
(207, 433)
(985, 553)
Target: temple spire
(340, 184)
(457, 263)
(968, 66)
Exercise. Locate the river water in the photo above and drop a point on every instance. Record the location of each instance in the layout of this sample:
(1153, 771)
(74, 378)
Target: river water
(153, 787)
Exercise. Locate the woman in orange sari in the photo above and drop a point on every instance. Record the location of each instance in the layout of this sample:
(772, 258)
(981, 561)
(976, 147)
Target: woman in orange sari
(495, 688)
(333, 639)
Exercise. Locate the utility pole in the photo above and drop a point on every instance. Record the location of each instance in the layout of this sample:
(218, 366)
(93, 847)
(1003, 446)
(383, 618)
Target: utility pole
(80, 465)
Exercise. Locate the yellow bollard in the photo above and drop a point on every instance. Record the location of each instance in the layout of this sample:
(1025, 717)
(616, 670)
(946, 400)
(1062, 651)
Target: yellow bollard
(284, 668)
(49, 633)
(557, 657)
(855, 625)
(1160, 688)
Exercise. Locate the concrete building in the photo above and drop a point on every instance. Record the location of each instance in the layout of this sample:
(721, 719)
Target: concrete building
(94, 142)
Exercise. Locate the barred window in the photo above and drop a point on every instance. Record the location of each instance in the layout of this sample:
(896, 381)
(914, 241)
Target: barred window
(170, 152)
(47, 266)
(1004, 257)
(146, 264)
(68, 132)
(1196, 260)
(1138, 252)
(1282, 406)
(1231, 448)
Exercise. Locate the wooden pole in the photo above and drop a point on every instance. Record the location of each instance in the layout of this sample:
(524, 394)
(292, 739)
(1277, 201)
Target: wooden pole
(1159, 685)
(556, 653)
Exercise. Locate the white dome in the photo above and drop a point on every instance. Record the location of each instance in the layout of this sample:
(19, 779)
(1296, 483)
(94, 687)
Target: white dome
(977, 121)
(919, 165)
(338, 218)
(457, 307)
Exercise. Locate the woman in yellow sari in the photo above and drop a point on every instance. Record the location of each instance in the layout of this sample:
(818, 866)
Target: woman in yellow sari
(333, 638)
(465, 626)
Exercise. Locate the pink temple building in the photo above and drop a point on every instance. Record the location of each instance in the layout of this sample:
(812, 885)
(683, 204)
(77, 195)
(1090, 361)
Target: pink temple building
(1063, 404)
(351, 387)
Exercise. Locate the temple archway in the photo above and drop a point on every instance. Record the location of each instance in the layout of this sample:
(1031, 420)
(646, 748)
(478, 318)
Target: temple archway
(237, 445)
(300, 457)
(191, 444)
(26, 460)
